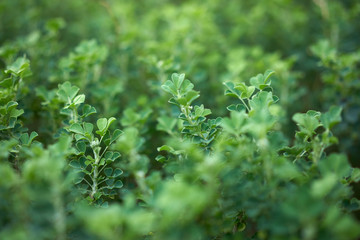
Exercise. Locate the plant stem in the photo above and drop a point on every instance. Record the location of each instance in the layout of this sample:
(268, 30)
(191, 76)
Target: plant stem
(95, 174)
(74, 115)
(245, 104)
(87, 182)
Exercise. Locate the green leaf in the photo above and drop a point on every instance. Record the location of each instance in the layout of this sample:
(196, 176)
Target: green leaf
(14, 113)
(275, 99)
(165, 148)
(336, 164)
(110, 121)
(79, 178)
(119, 184)
(108, 154)
(355, 175)
(19, 67)
(332, 117)
(110, 182)
(160, 158)
(245, 91)
(116, 134)
(26, 139)
(88, 110)
(235, 124)
(236, 108)
(101, 124)
(105, 205)
(257, 81)
(67, 92)
(231, 91)
(186, 87)
(79, 99)
(262, 100)
(83, 162)
(79, 137)
(249, 91)
(173, 101)
(108, 171)
(76, 128)
(169, 149)
(308, 122)
(88, 128)
(11, 105)
(117, 172)
(6, 83)
(169, 87)
(166, 124)
(12, 122)
(200, 111)
(33, 135)
(178, 79)
(322, 187)
(81, 146)
(115, 156)
(267, 75)
(218, 121)
(189, 98)
(75, 164)
(66, 111)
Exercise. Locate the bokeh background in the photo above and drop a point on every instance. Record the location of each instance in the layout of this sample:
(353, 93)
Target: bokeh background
(120, 52)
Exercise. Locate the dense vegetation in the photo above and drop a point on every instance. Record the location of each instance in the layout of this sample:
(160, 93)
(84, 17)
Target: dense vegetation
(159, 119)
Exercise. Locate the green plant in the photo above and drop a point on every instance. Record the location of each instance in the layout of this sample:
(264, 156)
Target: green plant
(341, 79)
(195, 126)
(253, 163)
(12, 131)
(98, 178)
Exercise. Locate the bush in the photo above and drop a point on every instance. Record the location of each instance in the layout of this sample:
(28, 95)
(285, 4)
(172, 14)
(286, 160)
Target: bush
(103, 137)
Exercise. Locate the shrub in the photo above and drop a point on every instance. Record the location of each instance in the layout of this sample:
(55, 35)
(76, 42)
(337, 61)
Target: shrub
(103, 137)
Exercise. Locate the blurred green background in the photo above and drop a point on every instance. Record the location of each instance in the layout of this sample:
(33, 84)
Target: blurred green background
(130, 48)
(120, 52)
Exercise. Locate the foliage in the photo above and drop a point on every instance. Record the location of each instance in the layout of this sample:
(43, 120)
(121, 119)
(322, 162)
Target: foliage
(341, 76)
(253, 163)
(90, 166)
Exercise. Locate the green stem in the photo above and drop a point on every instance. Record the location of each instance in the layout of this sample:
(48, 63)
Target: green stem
(95, 174)
(74, 115)
(102, 168)
(103, 152)
(87, 182)
(245, 104)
